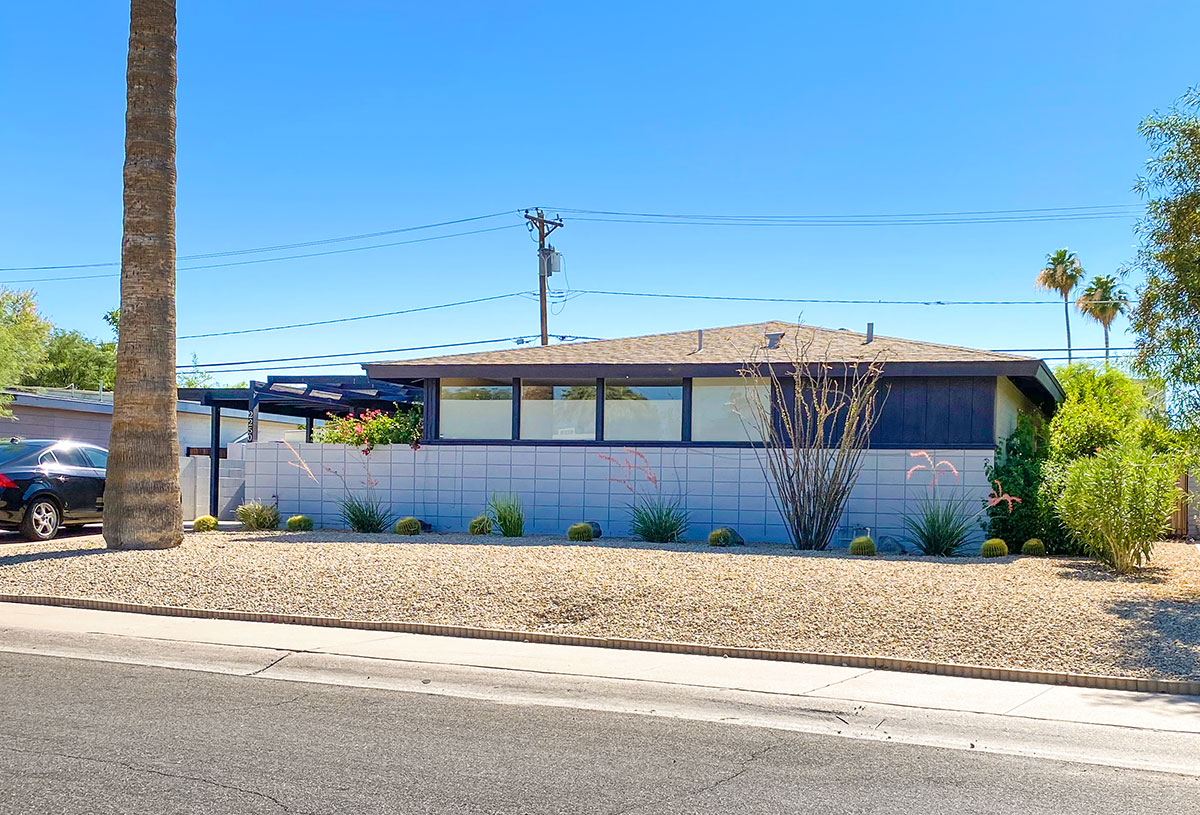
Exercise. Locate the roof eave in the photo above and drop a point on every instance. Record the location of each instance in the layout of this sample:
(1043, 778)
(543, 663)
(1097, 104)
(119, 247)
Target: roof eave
(393, 371)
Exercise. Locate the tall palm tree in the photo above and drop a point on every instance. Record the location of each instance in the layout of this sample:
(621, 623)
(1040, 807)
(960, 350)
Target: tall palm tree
(142, 498)
(1103, 300)
(1062, 274)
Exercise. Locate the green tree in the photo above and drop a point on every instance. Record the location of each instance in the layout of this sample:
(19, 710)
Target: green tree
(1103, 300)
(195, 377)
(73, 359)
(1062, 274)
(1164, 319)
(23, 335)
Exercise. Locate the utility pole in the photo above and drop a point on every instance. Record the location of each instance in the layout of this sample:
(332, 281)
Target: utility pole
(546, 252)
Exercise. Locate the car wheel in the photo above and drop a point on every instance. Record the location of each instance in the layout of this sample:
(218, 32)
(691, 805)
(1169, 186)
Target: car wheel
(41, 520)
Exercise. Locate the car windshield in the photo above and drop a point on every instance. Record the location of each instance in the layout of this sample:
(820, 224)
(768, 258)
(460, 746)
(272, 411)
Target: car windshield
(11, 451)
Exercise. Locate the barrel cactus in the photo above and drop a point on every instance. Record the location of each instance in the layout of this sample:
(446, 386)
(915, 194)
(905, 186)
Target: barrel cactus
(579, 532)
(1033, 547)
(299, 523)
(408, 526)
(205, 523)
(863, 546)
(725, 536)
(480, 526)
(993, 547)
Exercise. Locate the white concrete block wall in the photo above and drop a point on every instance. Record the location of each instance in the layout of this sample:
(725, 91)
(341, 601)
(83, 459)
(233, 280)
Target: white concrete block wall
(194, 482)
(448, 485)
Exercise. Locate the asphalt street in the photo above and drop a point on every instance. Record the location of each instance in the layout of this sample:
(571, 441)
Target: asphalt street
(79, 736)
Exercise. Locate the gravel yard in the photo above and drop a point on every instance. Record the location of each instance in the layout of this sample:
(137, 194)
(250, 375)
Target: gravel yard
(1044, 613)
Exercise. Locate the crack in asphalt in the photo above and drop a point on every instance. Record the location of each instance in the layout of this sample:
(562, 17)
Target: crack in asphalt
(163, 773)
(745, 766)
(271, 664)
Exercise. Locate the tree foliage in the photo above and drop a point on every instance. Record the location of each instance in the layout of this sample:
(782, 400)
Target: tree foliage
(1103, 300)
(1103, 408)
(74, 360)
(23, 335)
(1167, 316)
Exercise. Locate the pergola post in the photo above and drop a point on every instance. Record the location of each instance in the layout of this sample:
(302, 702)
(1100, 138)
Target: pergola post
(214, 460)
(308, 429)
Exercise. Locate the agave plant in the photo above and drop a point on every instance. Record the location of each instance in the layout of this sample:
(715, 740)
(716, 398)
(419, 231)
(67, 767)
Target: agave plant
(366, 513)
(658, 520)
(940, 526)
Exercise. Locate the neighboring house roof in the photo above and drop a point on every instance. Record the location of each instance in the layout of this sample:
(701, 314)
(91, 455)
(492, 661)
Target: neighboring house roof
(94, 402)
(721, 352)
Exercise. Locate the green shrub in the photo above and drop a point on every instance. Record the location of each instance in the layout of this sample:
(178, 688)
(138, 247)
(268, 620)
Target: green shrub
(939, 528)
(480, 526)
(658, 520)
(372, 427)
(299, 523)
(720, 537)
(1021, 467)
(365, 513)
(579, 532)
(505, 512)
(993, 547)
(862, 546)
(205, 523)
(1119, 502)
(1034, 548)
(407, 526)
(257, 515)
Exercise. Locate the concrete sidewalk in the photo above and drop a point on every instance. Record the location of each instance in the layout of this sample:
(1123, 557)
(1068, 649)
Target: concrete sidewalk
(279, 651)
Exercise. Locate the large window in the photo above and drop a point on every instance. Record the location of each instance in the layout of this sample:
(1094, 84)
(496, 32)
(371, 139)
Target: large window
(643, 410)
(476, 409)
(562, 411)
(727, 409)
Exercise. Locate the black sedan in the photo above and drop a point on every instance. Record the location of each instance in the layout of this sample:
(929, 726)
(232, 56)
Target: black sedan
(46, 485)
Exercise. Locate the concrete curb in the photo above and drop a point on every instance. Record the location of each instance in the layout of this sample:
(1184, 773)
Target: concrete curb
(1098, 681)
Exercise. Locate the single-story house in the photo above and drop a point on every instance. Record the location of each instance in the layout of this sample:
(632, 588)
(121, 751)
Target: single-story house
(573, 430)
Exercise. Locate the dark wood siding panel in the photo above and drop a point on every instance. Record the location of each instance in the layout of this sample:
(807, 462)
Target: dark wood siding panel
(936, 412)
(984, 414)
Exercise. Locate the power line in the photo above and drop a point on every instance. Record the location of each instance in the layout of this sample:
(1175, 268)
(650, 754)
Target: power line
(818, 301)
(522, 338)
(285, 257)
(353, 318)
(276, 248)
(1036, 210)
(219, 369)
(929, 218)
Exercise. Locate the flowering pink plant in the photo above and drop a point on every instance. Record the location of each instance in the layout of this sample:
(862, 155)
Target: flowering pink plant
(372, 427)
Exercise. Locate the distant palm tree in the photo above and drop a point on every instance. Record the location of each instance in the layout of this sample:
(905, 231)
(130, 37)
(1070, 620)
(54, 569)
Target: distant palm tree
(1103, 300)
(142, 507)
(1062, 274)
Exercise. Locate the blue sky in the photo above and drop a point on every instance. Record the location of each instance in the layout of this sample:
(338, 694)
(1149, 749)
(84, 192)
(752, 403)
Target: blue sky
(302, 121)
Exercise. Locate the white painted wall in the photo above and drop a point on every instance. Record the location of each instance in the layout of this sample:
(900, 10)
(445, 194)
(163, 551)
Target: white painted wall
(448, 485)
(1010, 403)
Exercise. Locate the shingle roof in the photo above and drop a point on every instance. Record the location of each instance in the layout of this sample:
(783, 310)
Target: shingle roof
(729, 345)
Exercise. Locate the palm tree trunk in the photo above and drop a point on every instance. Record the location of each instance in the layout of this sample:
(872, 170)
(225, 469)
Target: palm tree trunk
(1106, 345)
(142, 506)
(1067, 316)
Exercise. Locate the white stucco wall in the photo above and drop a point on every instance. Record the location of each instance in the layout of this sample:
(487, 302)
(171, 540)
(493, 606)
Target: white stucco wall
(1010, 403)
(448, 485)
